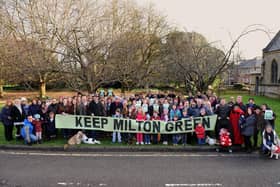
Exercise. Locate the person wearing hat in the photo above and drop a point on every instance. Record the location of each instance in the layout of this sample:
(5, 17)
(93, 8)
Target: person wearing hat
(269, 138)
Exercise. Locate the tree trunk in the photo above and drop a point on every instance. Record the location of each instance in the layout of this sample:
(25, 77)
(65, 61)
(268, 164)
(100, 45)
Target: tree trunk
(42, 89)
(1, 89)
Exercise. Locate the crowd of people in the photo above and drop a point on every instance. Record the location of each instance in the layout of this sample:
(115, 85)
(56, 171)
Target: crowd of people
(243, 121)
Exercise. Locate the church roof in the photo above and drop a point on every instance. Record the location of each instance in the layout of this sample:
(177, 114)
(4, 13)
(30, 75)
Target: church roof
(274, 44)
(255, 62)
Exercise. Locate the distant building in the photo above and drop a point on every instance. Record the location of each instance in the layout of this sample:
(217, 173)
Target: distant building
(270, 80)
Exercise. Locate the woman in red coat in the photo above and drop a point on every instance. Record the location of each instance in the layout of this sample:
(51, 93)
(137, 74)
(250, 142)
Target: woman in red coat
(235, 114)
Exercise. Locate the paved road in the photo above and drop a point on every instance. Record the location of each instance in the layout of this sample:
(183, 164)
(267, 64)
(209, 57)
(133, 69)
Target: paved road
(137, 169)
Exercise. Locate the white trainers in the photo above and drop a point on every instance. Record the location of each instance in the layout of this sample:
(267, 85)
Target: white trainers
(142, 143)
(165, 143)
(96, 142)
(149, 143)
(137, 143)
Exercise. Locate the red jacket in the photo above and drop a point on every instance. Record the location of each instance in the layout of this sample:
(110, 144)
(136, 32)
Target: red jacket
(200, 132)
(140, 117)
(225, 140)
(37, 125)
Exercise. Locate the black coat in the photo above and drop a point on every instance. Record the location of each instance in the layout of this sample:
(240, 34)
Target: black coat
(5, 116)
(17, 116)
(97, 109)
(114, 107)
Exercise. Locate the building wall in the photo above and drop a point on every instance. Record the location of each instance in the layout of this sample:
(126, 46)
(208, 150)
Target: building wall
(267, 88)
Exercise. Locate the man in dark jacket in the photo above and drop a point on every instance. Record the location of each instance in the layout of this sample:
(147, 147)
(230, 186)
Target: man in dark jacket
(6, 118)
(95, 108)
(116, 104)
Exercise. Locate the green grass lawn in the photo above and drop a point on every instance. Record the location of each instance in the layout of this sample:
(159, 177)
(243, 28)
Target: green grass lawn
(273, 103)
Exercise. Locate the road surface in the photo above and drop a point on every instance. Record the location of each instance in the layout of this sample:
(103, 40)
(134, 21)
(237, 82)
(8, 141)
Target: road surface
(137, 169)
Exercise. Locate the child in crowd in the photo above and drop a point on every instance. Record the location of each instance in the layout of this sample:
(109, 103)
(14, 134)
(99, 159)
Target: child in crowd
(50, 126)
(38, 127)
(118, 134)
(175, 137)
(225, 140)
(147, 137)
(156, 137)
(200, 133)
(269, 138)
(140, 117)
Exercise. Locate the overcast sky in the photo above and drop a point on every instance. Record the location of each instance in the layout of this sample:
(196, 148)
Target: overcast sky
(218, 19)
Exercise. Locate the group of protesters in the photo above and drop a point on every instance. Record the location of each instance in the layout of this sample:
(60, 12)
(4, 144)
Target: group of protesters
(244, 121)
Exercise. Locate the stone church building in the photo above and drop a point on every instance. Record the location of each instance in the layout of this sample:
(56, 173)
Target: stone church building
(269, 82)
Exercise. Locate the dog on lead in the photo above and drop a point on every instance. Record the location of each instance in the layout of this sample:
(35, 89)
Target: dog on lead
(275, 151)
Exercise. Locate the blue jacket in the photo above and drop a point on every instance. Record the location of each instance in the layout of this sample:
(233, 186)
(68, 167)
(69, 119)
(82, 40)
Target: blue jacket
(5, 116)
(28, 124)
(176, 112)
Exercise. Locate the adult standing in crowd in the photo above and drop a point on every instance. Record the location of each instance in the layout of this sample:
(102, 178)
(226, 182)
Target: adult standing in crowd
(222, 111)
(18, 116)
(247, 128)
(234, 117)
(6, 118)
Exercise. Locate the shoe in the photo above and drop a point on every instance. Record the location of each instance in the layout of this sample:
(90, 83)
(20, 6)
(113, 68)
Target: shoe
(145, 143)
(165, 143)
(40, 141)
(149, 143)
(137, 143)
(142, 143)
(230, 151)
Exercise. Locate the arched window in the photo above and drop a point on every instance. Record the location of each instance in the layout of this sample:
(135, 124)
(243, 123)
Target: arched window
(274, 72)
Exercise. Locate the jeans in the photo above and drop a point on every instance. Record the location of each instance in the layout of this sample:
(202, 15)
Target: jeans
(32, 138)
(118, 134)
(201, 141)
(155, 138)
(175, 138)
(147, 138)
(269, 143)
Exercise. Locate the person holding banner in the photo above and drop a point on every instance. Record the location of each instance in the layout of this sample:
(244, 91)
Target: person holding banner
(269, 115)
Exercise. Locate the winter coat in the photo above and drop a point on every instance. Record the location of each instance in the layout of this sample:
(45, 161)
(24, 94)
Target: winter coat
(114, 106)
(193, 111)
(34, 109)
(234, 120)
(200, 132)
(223, 112)
(225, 140)
(173, 113)
(50, 127)
(269, 139)
(260, 124)
(97, 109)
(17, 116)
(37, 125)
(26, 124)
(5, 116)
(249, 125)
(140, 117)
